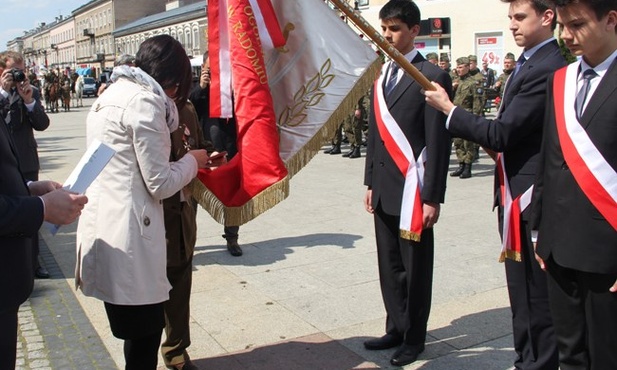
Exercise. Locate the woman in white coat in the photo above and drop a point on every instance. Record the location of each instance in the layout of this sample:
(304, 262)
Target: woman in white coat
(121, 252)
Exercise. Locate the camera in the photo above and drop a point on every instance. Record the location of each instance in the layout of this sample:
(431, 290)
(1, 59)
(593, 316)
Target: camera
(18, 75)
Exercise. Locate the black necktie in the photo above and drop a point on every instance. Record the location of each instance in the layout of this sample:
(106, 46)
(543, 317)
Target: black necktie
(579, 103)
(392, 79)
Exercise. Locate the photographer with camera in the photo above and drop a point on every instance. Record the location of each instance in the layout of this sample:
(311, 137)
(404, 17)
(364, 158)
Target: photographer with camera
(21, 108)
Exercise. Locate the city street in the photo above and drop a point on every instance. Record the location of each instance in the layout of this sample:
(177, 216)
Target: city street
(305, 294)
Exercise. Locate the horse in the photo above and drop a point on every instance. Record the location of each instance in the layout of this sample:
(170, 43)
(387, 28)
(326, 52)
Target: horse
(50, 93)
(65, 93)
(79, 91)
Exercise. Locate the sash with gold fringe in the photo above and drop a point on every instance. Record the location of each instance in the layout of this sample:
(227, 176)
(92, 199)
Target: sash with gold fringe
(412, 170)
(511, 243)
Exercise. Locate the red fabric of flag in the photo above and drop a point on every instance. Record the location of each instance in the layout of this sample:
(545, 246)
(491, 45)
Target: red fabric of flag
(257, 166)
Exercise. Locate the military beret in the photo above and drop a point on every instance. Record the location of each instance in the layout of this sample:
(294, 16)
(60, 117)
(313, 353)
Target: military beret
(432, 56)
(473, 58)
(462, 60)
(510, 56)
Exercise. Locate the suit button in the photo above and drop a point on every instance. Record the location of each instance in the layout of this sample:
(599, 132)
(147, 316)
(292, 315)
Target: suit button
(564, 166)
(147, 221)
(381, 164)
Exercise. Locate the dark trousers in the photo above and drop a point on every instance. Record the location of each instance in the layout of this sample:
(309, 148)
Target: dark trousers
(177, 313)
(34, 176)
(406, 278)
(223, 135)
(532, 326)
(584, 316)
(141, 328)
(8, 337)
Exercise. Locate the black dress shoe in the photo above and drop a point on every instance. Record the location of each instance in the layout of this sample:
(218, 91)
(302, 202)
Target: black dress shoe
(233, 247)
(407, 354)
(385, 342)
(41, 273)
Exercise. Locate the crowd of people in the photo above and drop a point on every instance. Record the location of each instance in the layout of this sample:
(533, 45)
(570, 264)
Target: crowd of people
(553, 142)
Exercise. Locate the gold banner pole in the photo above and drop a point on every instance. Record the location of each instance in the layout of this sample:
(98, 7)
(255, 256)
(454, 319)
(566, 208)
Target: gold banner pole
(384, 45)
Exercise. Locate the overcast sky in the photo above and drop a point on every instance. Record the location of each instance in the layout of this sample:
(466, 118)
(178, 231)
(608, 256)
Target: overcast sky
(17, 16)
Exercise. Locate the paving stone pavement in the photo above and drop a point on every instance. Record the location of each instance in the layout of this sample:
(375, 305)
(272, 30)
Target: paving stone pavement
(54, 331)
(305, 294)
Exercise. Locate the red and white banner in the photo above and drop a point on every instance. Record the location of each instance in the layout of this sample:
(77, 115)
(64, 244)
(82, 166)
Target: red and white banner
(288, 100)
(590, 169)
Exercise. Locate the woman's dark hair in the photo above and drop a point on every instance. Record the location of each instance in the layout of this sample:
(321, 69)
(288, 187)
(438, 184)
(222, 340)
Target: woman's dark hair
(164, 58)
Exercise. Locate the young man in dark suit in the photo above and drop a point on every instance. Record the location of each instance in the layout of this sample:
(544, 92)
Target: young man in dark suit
(23, 208)
(23, 113)
(516, 135)
(401, 122)
(574, 206)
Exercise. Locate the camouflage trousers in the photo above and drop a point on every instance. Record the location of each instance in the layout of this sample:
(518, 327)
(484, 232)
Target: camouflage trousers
(465, 150)
(353, 130)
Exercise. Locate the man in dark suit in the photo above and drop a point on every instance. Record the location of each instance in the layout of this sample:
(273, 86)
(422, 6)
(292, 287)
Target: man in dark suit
(574, 207)
(23, 113)
(516, 134)
(400, 121)
(23, 208)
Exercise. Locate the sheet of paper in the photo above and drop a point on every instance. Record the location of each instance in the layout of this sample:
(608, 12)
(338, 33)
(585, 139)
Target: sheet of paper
(89, 167)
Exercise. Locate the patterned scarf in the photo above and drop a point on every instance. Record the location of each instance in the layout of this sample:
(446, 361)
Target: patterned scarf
(138, 76)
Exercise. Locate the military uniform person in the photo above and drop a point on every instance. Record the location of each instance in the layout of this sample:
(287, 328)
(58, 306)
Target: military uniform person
(353, 127)
(444, 64)
(433, 58)
(509, 63)
(469, 97)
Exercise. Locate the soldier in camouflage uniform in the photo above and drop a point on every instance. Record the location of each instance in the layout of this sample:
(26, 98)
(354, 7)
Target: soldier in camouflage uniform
(353, 127)
(475, 72)
(509, 63)
(469, 97)
(433, 58)
(444, 64)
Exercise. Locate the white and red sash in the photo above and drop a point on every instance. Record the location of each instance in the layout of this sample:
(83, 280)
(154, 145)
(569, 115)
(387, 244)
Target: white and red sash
(590, 169)
(511, 234)
(401, 152)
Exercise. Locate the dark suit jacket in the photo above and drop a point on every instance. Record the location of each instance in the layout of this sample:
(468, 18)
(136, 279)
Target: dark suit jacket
(424, 127)
(517, 132)
(21, 215)
(569, 227)
(21, 126)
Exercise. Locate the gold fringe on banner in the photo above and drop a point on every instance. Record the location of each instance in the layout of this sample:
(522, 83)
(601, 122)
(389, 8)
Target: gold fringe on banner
(313, 146)
(515, 256)
(236, 216)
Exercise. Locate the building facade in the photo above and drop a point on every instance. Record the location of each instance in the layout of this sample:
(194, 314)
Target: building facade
(62, 44)
(183, 20)
(105, 29)
(94, 25)
(479, 27)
